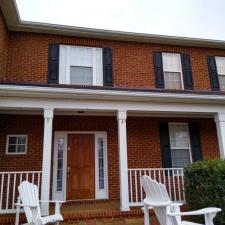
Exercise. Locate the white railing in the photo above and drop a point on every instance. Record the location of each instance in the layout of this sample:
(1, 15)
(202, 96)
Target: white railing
(9, 182)
(172, 178)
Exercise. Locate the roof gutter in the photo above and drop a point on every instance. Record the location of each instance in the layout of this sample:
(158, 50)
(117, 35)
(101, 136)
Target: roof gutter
(108, 95)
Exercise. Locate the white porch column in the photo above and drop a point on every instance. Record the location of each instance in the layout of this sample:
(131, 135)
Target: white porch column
(122, 138)
(220, 125)
(46, 163)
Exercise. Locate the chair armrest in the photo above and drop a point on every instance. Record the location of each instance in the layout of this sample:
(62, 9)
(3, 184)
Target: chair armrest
(196, 212)
(52, 201)
(22, 205)
(176, 204)
(156, 204)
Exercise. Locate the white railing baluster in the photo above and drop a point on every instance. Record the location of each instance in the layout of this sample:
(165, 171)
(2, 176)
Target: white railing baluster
(136, 190)
(178, 184)
(168, 176)
(131, 186)
(14, 190)
(141, 190)
(38, 182)
(7, 192)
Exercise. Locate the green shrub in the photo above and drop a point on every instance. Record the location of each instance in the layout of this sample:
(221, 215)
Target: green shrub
(205, 187)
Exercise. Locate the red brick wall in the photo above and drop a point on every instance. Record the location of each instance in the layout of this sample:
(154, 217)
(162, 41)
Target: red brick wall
(22, 124)
(143, 141)
(132, 62)
(3, 46)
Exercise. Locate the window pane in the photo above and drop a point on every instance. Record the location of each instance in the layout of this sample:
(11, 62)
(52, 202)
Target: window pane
(21, 148)
(180, 157)
(178, 136)
(60, 164)
(172, 80)
(220, 65)
(100, 163)
(12, 148)
(13, 140)
(22, 140)
(81, 75)
(222, 82)
(171, 62)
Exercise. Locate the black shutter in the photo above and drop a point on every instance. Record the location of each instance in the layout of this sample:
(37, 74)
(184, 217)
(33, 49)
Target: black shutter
(107, 67)
(158, 64)
(195, 141)
(165, 145)
(213, 73)
(53, 63)
(187, 72)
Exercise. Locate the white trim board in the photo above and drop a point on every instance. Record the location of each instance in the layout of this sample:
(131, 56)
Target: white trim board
(99, 194)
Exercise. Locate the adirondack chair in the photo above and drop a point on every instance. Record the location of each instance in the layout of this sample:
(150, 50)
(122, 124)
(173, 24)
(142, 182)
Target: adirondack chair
(29, 200)
(168, 213)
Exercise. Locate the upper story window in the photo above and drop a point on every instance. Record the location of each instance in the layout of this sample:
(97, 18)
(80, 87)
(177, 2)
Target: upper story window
(80, 65)
(179, 145)
(172, 71)
(16, 144)
(220, 65)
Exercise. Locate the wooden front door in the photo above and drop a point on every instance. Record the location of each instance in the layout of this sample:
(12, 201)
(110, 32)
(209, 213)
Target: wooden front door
(81, 166)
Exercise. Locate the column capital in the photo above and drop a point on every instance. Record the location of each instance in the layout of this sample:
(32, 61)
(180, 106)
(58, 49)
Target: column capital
(219, 117)
(48, 113)
(121, 115)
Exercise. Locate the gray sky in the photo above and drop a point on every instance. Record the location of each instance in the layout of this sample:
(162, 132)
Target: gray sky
(187, 18)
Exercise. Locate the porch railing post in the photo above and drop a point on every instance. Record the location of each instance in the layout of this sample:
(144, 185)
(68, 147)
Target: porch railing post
(122, 138)
(220, 126)
(46, 163)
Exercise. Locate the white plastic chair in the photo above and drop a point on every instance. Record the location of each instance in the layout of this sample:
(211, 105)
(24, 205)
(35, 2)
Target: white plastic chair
(29, 200)
(168, 213)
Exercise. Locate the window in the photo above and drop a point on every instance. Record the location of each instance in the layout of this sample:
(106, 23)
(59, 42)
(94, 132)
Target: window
(16, 144)
(80, 65)
(180, 145)
(220, 64)
(172, 71)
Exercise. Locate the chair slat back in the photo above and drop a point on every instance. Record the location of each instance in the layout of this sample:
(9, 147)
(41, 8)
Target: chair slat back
(29, 196)
(156, 192)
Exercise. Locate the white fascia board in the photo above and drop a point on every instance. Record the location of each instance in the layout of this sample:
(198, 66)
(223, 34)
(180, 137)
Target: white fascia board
(122, 95)
(28, 103)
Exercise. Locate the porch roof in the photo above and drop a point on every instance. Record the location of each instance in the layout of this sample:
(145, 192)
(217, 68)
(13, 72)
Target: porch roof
(61, 91)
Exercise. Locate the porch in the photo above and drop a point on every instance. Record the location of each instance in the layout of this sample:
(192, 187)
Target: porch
(126, 132)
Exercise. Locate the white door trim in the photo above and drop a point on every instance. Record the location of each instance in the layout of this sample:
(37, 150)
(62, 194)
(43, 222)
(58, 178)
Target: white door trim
(99, 193)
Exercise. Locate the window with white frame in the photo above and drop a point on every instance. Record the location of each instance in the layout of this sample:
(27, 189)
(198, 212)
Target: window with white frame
(180, 145)
(16, 144)
(220, 64)
(80, 65)
(172, 71)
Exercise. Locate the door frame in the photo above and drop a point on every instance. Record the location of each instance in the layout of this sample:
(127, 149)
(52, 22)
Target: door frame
(99, 193)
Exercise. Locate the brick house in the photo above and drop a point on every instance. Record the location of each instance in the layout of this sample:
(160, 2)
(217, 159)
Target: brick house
(86, 112)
